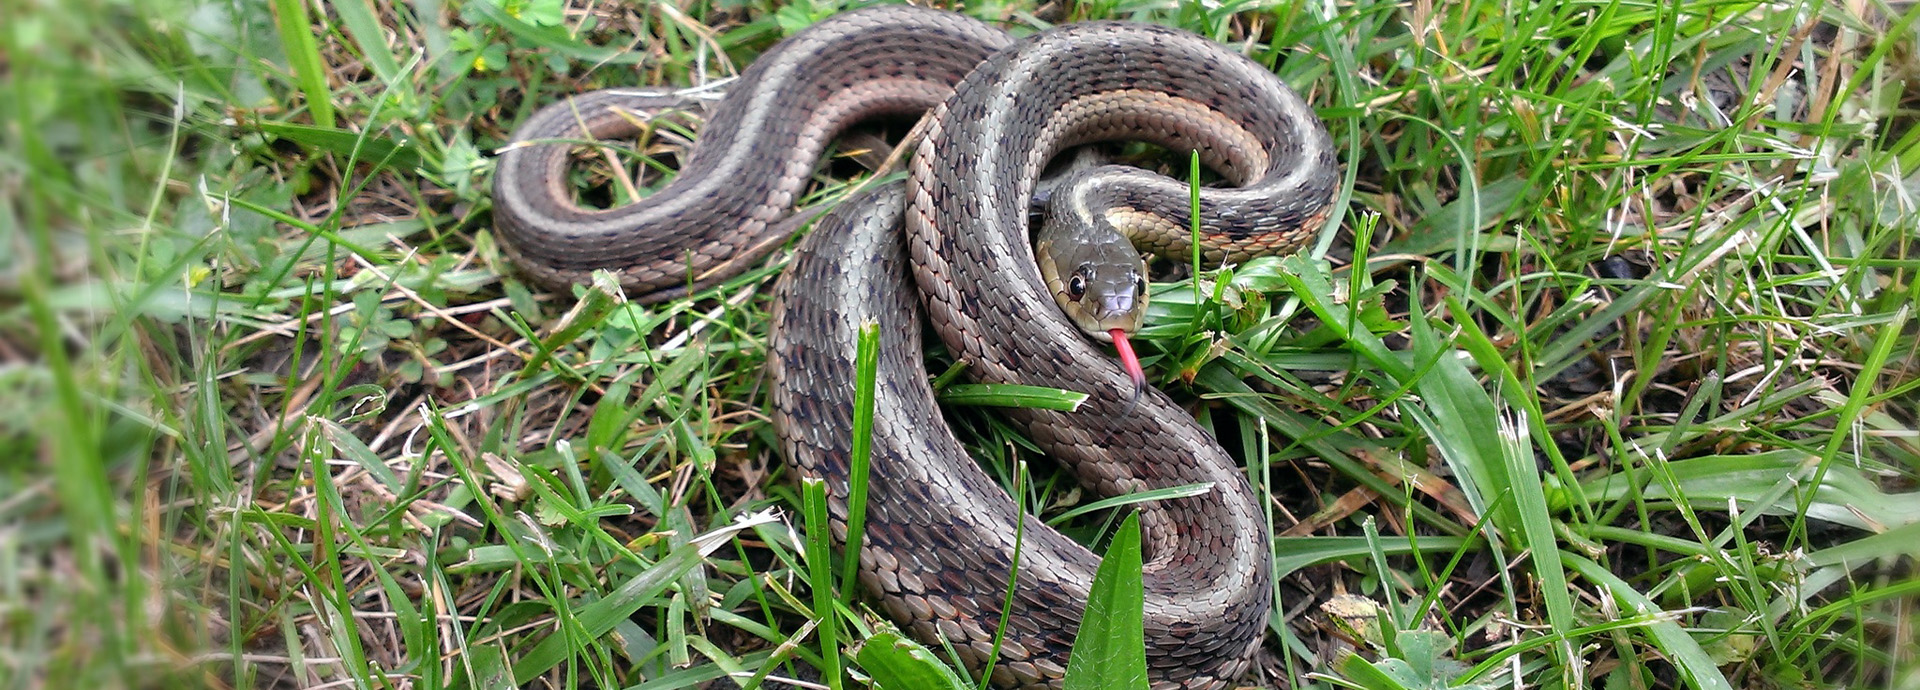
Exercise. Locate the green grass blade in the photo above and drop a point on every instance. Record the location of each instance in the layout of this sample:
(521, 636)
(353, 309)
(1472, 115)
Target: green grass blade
(1699, 669)
(1019, 492)
(303, 54)
(1012, 395)
(813, 493)
(866, 366)
(358, 16)
(599, 617)
(1181, 491)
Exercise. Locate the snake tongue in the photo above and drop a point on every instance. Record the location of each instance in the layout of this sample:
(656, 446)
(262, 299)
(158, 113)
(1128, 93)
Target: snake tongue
(1127, 359)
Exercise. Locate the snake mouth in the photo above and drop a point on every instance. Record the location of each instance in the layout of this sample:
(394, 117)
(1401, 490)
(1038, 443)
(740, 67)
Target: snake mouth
(1102, 327)
(1101, 316)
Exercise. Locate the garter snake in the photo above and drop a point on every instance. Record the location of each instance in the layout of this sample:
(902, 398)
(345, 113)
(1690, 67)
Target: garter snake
(939, 538)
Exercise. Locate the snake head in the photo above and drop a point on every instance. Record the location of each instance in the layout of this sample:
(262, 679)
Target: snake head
(1102, 298)
(1100, 285)
(1102, 290)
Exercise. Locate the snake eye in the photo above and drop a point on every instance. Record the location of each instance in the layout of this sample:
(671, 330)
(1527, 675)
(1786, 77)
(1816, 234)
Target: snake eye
(1140, 286)
(1076, 287)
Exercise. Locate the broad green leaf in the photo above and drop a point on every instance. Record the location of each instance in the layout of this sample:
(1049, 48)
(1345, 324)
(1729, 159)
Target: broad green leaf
(1110, 651)
(897, 663)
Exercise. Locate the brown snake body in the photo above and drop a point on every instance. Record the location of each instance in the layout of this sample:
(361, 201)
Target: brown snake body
(722, 213)
(940, 535)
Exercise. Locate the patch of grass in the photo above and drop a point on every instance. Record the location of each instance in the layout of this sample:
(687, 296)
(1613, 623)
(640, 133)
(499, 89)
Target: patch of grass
(1607, 379)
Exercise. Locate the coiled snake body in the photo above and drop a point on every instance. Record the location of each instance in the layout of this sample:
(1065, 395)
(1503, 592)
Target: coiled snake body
(940, 534)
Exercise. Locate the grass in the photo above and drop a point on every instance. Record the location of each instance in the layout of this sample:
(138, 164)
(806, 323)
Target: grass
(1625, 396)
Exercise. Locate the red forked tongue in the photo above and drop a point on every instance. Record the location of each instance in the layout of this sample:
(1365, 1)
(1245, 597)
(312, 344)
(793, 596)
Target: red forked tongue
(1132, 364)
(1127, 359)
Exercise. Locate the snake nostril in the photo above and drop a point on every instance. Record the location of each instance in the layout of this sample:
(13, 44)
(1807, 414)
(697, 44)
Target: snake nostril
(1117, 304)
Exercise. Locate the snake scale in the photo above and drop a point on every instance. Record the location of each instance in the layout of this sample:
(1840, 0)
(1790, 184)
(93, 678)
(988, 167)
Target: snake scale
(940, 534)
